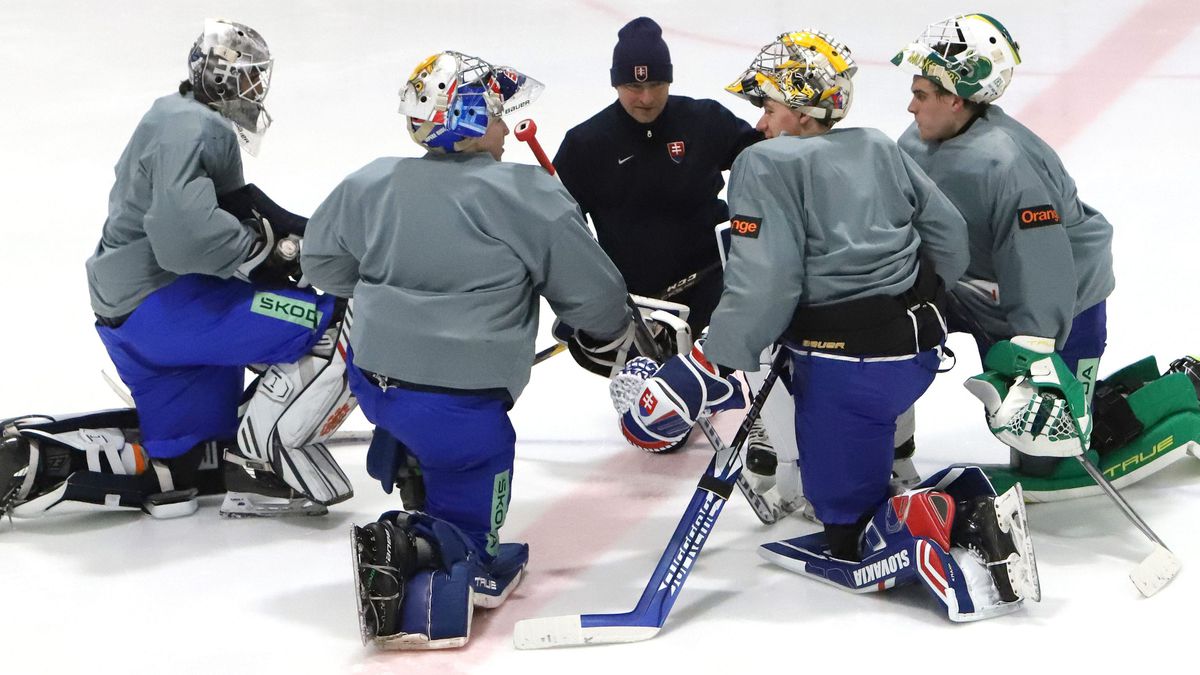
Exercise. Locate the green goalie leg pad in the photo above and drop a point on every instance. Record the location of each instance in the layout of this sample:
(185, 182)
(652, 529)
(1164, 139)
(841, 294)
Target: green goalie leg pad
(1170, 414)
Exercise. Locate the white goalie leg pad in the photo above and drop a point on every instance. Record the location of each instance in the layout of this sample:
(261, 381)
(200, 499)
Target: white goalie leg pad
(904, 473)
(779, 417)
(295, 407)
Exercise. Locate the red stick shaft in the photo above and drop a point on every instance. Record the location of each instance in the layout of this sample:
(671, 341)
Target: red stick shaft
(526, 132)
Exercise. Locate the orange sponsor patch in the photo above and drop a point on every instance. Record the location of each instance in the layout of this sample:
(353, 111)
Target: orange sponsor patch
(745, 226)
(1038, 216)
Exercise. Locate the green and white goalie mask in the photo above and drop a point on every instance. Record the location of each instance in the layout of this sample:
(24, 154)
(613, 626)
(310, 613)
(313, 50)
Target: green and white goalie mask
(1032, 401)
(971, 55)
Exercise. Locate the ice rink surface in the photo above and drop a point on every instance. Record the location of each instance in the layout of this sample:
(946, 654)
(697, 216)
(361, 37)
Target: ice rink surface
(1114, 86)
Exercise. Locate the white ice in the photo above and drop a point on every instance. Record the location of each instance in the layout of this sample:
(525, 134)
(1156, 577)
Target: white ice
(1114, 86)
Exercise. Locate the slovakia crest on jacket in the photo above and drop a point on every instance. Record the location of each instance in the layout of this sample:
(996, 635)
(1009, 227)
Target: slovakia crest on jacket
(676, 149)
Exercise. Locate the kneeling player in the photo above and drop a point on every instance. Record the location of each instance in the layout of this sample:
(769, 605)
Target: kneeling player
(192, 281)
(863, 348)
(445, 256)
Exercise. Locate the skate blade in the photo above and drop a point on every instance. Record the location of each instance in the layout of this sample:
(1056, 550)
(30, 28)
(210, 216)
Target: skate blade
(247, 505)
(1022, 565)
(356, 554)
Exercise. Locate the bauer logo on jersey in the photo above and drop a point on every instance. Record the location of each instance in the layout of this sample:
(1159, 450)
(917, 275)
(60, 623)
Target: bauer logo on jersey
(1038, 216)
(676, 150)
(640, 73)
(745, 226)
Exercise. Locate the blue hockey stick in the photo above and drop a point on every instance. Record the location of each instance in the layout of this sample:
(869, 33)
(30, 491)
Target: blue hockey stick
(645, 620)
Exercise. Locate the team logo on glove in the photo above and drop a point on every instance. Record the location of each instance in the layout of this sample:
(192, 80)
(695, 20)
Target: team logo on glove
(647, 403)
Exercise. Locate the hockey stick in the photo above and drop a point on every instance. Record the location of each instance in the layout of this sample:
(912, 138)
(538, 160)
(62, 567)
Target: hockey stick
(644, 621)
(666, 294)
(687, 282)
(1161, 566)
(766, 511)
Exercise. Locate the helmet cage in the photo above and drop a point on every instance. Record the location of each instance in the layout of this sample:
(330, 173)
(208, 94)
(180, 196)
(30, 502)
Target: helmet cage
(807, 71)
(230, 68)
(450, 97)
(970, 55)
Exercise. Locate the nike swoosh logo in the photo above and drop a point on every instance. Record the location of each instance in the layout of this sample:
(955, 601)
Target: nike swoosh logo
(622, 161)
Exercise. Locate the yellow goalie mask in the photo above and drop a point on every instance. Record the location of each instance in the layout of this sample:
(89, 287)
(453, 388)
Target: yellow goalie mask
(807, 71)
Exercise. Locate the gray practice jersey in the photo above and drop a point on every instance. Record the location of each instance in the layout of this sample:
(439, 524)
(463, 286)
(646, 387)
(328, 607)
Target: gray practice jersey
(445, 257)
(821, 220)
(163, 219)
(1039, 256)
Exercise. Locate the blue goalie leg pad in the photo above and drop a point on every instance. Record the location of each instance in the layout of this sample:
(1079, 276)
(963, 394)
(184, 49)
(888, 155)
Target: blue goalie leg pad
(430, 587)
(918, 559)
(495, 582)
(437, 610)
(894, 556)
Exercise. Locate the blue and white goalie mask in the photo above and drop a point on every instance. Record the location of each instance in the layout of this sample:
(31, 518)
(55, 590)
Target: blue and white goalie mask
(229, 68)
(450, 97)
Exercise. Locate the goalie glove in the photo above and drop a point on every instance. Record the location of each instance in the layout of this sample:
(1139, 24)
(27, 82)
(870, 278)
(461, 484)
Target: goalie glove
(1031, 400)
(272, 261)
(607, 357)
(671, 401)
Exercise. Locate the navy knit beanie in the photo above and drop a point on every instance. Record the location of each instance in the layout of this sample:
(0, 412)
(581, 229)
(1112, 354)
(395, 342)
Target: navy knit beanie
(640, 54)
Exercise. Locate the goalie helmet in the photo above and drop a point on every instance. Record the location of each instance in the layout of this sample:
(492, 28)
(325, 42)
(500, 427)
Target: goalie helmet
(450, 96)
(970, 55)
(229, 68)
(807, 71)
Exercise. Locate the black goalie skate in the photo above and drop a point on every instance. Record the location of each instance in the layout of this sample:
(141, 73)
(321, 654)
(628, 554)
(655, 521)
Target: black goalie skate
(996, 530)
(385, 556)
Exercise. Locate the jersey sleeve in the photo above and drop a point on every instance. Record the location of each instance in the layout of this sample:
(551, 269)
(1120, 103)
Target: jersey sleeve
(764, 278)
(188, 232)
(942, 228)
(739, 133)
(330, 257)
(578, 280)
(1035, 268)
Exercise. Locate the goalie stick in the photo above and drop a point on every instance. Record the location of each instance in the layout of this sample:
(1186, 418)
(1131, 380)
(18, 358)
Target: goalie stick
(767, 510)
(644, 621)
(1160, 567)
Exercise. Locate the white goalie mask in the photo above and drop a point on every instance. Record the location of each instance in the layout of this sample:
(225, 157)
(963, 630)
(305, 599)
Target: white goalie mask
(970, 55)
(229, 68)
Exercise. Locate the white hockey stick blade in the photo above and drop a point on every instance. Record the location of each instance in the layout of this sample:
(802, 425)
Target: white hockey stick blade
(1156, 571)
(568, 631)
(119, 390)
(348, 437)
